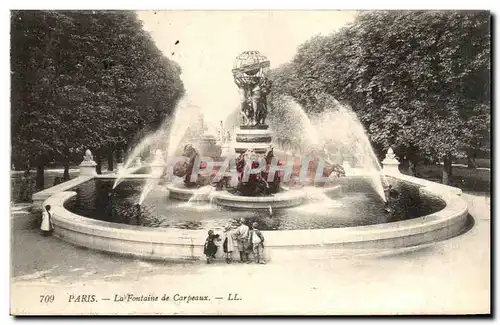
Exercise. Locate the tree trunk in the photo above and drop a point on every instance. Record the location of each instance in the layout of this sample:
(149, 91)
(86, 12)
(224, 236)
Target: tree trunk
(447, 170)
(99, 163)
(416, 167)
(471, 159)
(66, 159)
(66, 170)
(405, 165)
(119, 156)
(39, 177)
(110, 160)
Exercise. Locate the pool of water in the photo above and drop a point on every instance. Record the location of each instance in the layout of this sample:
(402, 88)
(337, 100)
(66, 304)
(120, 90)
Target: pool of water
(96, 199)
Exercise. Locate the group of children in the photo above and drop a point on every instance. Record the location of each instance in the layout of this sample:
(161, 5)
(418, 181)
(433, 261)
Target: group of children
(246, 240)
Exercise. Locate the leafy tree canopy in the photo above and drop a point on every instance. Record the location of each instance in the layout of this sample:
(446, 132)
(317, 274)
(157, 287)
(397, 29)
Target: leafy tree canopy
(418, 80)
(85, 79)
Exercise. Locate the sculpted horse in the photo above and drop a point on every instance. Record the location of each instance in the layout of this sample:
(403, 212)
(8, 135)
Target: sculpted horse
(184, 168)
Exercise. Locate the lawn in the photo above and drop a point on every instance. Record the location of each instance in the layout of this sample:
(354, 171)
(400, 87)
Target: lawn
(467, 179)
(49, 176)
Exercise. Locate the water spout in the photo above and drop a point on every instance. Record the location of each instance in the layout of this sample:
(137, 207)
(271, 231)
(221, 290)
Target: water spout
(157, 168)
(336, 133)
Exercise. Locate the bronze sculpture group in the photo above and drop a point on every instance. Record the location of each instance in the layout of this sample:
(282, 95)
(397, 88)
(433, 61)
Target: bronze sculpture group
(250, 75)
(254, 101)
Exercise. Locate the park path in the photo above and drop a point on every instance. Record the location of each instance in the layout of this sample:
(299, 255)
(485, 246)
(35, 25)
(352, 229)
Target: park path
(452, 276)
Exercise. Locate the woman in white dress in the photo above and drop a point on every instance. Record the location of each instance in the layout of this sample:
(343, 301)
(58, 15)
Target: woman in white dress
(46, 226)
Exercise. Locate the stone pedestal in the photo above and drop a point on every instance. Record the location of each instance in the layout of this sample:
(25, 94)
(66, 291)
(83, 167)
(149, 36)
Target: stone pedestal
(390, 163)
(88, 165)
(88, 168)
(256, 137)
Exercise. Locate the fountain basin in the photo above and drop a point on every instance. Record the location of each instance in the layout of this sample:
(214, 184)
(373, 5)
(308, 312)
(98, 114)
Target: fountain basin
(284, 199)
(180, 192)
(173, 243)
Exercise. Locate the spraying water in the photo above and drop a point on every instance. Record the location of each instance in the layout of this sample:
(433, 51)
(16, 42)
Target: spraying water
(173, 131)
(336, 132)
(308, 132)
(201, 194)
(317, 201)
(355, 143)
(316, 194)
(143, 145)
(187, 126)
(198, 201)
(292, 128)
(146, 143)
(157, 167)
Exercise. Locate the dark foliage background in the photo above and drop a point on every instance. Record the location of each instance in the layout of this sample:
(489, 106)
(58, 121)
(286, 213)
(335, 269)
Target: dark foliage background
(418, 80)
(84, 80)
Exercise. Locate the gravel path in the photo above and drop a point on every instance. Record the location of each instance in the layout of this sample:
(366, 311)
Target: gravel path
(452, 276)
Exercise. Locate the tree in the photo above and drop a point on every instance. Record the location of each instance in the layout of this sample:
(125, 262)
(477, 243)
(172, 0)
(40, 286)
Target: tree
(419, 80)
(84, 79)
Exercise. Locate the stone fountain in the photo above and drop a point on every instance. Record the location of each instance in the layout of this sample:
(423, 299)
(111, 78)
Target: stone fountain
(251, 176)
(240, 170)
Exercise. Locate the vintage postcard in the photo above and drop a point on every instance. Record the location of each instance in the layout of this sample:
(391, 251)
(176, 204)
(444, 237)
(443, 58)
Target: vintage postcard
(250, 162)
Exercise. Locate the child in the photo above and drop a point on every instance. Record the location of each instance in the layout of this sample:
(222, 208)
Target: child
(257, 240)
(227, 243)
(210, 248)
(241, 235)
(46, 225)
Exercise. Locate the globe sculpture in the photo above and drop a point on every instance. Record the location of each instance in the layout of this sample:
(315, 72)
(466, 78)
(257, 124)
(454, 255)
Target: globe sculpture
(253, 137)
(250, 75)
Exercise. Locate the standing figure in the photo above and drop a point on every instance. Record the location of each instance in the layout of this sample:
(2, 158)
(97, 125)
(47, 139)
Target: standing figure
(256, 99)
(257, 240)
(210, 248)
(27, 187)
(259, 97)
(241, 235)
(228, 243)
(46, 227)
(24, 186)
(247, 111)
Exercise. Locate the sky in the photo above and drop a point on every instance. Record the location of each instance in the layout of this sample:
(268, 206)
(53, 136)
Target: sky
(208, 43)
